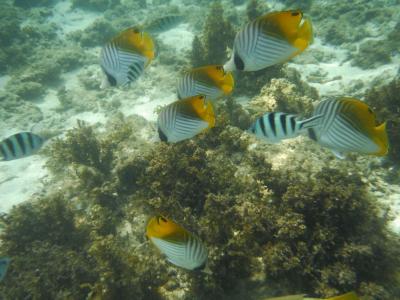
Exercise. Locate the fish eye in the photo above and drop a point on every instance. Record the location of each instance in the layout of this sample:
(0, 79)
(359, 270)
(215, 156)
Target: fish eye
(294, 14)
(201, 97)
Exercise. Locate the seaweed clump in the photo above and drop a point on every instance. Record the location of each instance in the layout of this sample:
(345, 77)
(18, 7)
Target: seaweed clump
(217, 36)
(385, 101)
(269, 230)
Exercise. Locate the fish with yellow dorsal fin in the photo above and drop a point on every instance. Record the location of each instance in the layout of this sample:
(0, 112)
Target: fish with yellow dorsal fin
(181, 247)
(347, 296)
(183, 119)
(210, 81)
(125, 57)
(270, 39)
(349, 125)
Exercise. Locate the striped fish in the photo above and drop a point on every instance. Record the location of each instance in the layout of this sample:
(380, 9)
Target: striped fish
(277, 126)
(125, 57)
(181, 248)
(210, 81)
(270, 39)
(162, 24)
(349, 125)
(20, 145)
(4, 263)
(183, 119)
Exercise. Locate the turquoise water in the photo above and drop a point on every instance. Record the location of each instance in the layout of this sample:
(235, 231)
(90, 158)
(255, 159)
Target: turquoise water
(275, 219)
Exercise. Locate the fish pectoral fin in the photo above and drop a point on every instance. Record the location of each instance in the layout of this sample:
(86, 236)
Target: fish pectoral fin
(338, 154)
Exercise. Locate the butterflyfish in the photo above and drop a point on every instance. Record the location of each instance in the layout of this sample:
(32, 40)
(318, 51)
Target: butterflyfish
(124, 58)
(180, 247)
(270, 39)
(347, 296)
(210, 81)
(183, 119)
(349, 125)
(4, 263)
(20, 145)
(163, 24)
(274, 127)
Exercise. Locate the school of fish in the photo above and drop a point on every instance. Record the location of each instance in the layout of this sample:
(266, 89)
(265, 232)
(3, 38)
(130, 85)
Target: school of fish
(342, 125)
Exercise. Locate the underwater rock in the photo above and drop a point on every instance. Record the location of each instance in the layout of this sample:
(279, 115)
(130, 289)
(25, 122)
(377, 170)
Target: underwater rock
(96, 34)
(218, 34)
(283, 96)
(372, 54)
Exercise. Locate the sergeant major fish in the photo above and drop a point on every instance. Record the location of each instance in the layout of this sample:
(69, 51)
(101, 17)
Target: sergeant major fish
(20, 145)
(274, 127)
(210, 81)
(270, 39)
(183, 119)
(125, 57)
(181, 247)
(349, 125)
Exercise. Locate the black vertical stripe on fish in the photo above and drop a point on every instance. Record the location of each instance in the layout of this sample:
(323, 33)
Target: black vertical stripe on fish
(262, 126)
(31, 142)
(21, 143)
(311, 134)
(238, 62)
(292, 123)
(10, 147)
(283, 123)
(271, 120)
(3, 152)
(162, 136)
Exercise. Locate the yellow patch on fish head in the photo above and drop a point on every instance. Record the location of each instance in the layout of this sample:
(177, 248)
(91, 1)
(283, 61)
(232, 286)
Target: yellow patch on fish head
(362, 115)
(203, 109)
(135, 40)
(289, 26)
(223, 80)
(163, 228)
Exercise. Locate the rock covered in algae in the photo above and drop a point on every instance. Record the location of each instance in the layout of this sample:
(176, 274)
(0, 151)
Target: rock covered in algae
(218, 34)
(283, 96)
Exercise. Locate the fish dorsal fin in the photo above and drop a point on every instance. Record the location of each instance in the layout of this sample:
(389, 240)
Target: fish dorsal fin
(202, 108)
(135, 40)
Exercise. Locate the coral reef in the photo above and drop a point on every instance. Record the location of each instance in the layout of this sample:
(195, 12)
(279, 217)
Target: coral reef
(217, 35)
(96, 34)
(98, 5)
(269, 228)
(284, 96)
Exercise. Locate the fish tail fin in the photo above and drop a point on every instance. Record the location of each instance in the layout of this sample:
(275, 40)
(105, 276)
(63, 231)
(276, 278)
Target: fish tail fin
(310, 122)
(347, 296)
(305, 36)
